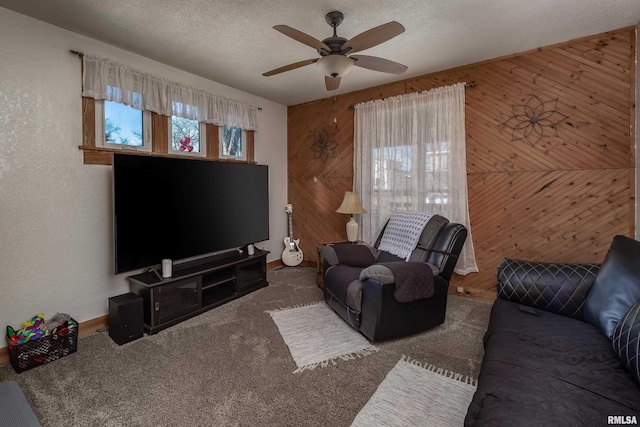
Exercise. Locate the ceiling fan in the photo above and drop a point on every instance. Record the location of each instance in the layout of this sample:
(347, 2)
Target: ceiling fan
(335, 52)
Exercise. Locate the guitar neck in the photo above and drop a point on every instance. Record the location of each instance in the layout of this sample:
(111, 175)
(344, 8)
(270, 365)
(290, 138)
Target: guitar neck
(290, 227)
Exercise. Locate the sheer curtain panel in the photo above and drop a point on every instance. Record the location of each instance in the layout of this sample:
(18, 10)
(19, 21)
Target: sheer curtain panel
(410, 156)
(103, 78)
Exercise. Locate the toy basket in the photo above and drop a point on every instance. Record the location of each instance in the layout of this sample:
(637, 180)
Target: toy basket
(61, 342)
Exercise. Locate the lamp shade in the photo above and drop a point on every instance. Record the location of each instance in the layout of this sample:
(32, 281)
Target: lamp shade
(335, 65)
(351, 204)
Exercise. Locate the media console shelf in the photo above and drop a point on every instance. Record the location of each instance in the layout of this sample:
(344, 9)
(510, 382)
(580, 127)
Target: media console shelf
(198, 286)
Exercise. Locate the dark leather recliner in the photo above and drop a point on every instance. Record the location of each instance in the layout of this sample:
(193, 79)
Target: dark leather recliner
(369, 305)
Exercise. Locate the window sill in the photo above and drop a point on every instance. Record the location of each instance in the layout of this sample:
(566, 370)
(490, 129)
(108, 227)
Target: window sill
(103, 156)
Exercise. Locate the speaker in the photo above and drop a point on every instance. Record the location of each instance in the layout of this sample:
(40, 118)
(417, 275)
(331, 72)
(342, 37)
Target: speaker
(125, 318)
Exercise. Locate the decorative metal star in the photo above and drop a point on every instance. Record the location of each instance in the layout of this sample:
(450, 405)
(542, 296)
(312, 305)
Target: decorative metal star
(324, 146)
(530, 120)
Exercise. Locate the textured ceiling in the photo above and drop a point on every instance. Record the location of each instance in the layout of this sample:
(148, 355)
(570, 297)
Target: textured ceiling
(232, 41)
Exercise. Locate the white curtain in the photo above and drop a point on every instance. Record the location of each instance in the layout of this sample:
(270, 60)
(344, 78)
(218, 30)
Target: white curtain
(104, 78)
(410, 156)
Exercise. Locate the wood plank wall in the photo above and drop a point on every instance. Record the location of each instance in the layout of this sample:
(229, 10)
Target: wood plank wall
(562, 199)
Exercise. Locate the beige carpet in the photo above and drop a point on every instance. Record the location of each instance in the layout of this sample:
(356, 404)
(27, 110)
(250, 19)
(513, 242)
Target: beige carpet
(230, 366)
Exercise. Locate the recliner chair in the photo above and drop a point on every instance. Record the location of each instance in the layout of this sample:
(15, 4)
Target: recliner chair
(359, 287)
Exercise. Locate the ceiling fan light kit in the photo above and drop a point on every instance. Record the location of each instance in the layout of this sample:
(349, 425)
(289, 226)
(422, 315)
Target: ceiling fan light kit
(334, 61)
(335, 65)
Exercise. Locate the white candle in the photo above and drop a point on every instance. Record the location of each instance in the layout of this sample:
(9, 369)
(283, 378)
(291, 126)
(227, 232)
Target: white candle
(166, 268)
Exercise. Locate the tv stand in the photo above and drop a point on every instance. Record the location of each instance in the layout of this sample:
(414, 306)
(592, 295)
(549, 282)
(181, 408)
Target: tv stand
(198, 286)
(154, 270)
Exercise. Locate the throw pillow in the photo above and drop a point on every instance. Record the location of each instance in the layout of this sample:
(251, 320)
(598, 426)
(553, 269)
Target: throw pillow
(616, 287)
(626, 340)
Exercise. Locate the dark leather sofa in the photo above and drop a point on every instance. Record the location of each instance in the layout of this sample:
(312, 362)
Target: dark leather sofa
(562, 344)
(368, 303)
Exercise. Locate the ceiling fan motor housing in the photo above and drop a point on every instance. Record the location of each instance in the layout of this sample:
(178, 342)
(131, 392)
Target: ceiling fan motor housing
(334, 43)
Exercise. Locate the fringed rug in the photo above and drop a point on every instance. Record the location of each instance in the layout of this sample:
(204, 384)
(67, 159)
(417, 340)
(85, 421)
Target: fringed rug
(417, 394)
(316, 336)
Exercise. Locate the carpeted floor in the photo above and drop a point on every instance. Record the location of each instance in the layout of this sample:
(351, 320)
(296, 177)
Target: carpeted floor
(230, 366)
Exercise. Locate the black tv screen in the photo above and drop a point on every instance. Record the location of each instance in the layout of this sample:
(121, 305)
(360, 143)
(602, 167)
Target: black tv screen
(181, 208)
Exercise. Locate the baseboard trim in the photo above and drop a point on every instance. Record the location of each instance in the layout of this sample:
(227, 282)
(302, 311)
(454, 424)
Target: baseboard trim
(278, 263)
(86, 328)
(274, 264)
(92, 325)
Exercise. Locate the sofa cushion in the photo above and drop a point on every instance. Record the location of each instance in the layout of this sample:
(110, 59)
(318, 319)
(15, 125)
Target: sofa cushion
(384, 256)
(616, 287)
(542, 368)
(626, 340)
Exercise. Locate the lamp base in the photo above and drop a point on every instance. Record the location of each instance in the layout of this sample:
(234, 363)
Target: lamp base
(352, 230)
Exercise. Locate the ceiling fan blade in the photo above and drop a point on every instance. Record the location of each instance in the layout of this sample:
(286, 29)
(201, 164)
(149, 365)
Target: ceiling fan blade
(302, 37)
(373, 37)
(332, 83)
(378, 64)
(290, 67)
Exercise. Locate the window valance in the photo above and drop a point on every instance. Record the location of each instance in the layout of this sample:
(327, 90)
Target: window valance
(103, 78)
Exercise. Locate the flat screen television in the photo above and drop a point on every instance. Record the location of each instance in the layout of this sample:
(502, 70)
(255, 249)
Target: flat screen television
(182, 208)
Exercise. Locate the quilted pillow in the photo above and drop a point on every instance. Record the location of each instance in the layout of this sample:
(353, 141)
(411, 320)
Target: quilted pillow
(616, 287)
(626, 340)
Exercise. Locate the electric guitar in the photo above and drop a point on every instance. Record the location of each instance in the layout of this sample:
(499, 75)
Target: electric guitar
(292, 255)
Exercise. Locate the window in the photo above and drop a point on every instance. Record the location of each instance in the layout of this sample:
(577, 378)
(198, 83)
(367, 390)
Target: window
(392, 167)
(410, 156)
(122, 106)
(437, 156)
(232, 142)
(187, 136)
(121, 126)
(436, 171)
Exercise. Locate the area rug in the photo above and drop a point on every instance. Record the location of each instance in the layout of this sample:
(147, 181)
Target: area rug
(418, 394)
(317, 336)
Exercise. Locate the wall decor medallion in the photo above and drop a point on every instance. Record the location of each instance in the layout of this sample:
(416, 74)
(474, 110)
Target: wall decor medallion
(534, 119)
(324, 146)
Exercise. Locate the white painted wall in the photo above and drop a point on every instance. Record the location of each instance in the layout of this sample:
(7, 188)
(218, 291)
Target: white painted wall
(56, 249)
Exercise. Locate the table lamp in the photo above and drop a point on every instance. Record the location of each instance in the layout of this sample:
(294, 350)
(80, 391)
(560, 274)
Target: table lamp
(351, 205)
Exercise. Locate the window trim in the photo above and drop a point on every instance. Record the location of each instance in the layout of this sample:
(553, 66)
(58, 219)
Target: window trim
(97, 155)
(203, 141)
(147, 130)
(243, 141)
